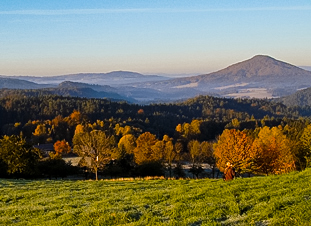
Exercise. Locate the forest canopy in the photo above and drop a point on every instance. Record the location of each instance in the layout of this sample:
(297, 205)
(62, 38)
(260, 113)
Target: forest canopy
(160, 136)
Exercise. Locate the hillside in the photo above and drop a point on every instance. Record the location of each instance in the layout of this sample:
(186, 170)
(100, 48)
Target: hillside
(300, 98)
(70, 89)
(13, 83)
(272, 200)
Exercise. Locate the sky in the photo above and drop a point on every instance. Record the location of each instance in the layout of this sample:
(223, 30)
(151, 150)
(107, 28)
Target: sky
(59, 37)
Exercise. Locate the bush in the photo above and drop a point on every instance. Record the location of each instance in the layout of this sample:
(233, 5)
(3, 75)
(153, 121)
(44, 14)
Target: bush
(55, 168)
(150, 169)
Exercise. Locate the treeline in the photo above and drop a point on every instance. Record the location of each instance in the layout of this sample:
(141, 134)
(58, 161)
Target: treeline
(126, 151)
(121, 139)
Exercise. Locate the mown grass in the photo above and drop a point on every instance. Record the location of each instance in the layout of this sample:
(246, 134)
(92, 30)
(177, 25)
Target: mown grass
(273, 200)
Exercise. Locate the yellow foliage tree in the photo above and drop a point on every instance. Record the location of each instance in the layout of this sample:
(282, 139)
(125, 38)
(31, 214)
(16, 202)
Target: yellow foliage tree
(143, 151)
(40, 130)
(127, 143)
(305, 141)
(79, 129)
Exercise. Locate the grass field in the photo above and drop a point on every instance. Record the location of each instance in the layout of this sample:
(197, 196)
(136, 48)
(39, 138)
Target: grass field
(273, 200)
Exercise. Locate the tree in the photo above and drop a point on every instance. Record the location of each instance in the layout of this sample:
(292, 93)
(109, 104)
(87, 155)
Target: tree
(127, 143)
(18, 156)
(61, 147)
(75, 118)
(59, 127)
(40, 130)
(305, 140)
(79, 129)
(143, 151)
(169, 152)
(158, 151)
(40, 135)
(96, 147)
(294, 131)
(194, 148)
(208, 155)
(234, 146)
(271, 152)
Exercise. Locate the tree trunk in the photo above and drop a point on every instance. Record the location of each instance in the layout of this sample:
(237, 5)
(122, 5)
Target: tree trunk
(170, 170)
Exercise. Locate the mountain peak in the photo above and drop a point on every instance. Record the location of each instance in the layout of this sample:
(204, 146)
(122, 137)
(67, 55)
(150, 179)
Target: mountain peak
(262, 59)
(261, 65)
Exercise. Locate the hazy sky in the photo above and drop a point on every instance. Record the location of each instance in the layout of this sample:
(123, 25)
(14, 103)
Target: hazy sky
(59, 37)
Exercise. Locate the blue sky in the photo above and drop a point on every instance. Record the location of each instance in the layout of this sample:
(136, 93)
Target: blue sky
(74, 36)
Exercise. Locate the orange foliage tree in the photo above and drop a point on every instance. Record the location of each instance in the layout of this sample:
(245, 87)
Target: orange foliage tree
(61, 147)
(74, 118)
(234, 146)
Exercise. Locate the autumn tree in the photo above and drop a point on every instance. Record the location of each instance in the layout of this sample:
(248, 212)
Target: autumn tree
(194, 148)
(271, 152)
(75, 118)
(295, 132)
(18, 156)
(59, 128)
(169, 152)
(143, 151)
(207, 155)
(40, 134)
(94, 146)
(158, 151)
(234, 146)
(127, 143)
(234, 124)
(189, 131)
(60, 148)
(305, 140)
(79, 129)
(179, 149)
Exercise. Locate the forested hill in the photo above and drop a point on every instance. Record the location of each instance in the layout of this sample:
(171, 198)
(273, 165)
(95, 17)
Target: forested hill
(68, 89)
(300, 98)
(158, 118)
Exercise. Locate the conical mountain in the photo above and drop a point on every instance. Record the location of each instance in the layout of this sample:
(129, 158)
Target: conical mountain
(259, 71)
(258, 68)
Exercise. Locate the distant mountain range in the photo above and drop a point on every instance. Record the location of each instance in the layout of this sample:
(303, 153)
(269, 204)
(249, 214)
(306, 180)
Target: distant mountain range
(259, 77)
(113, 78)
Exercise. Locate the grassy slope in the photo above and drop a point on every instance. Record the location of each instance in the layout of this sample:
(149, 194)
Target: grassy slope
(273, 200)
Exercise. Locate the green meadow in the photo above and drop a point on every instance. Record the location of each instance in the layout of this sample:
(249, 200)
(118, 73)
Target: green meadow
(272, 200)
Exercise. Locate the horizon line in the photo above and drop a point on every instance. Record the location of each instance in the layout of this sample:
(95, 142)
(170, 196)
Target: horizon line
(145, 10)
